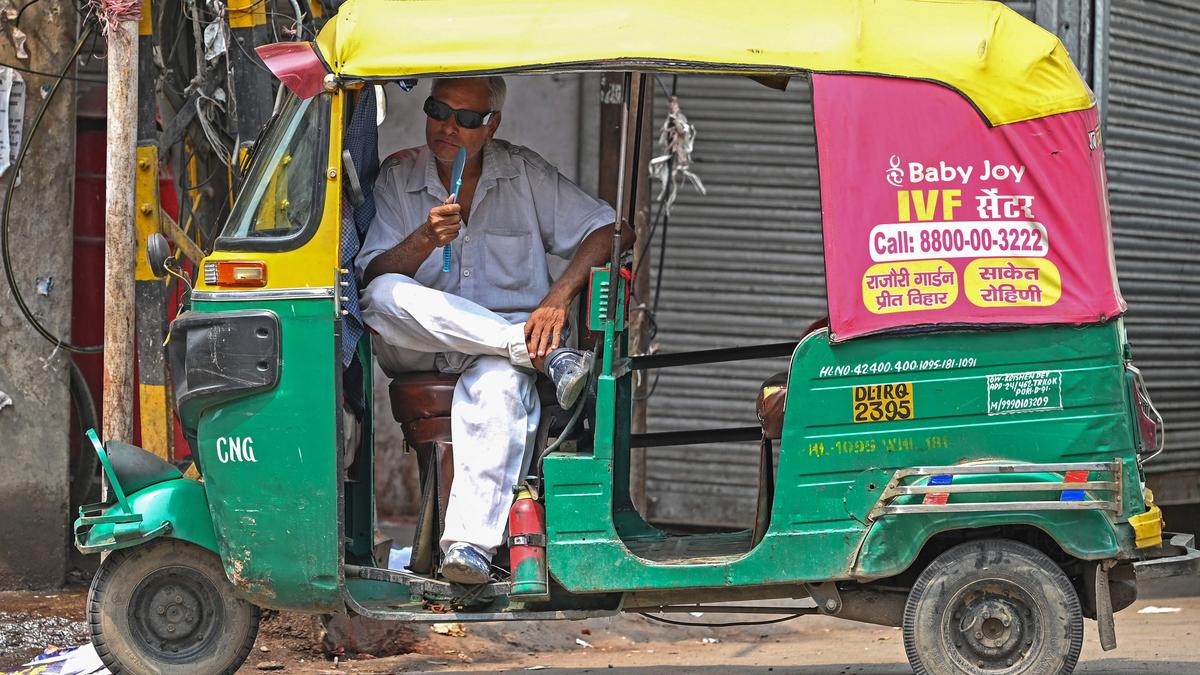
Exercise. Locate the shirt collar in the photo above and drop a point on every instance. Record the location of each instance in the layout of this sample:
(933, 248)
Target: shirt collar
(497, 163)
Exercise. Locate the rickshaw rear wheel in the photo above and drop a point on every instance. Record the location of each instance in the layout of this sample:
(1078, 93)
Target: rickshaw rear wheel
(167, 608)
(993, 607)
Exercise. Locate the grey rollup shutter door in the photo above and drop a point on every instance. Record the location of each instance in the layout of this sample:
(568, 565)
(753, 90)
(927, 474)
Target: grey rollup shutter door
(1152, 144)
(744, 266)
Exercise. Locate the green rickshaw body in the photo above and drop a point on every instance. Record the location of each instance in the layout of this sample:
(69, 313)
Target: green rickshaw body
(270, 465)
(257, 373)
(833, 470)
(1069, 383)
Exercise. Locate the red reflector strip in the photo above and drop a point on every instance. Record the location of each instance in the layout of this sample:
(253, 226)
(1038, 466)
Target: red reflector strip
(1074, 495)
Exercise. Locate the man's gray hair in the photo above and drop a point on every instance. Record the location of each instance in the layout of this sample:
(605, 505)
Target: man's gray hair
(497, 92)
(497, 89)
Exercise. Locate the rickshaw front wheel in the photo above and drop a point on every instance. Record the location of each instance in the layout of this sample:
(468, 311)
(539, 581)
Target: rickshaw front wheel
(166, 607)
(993, 607)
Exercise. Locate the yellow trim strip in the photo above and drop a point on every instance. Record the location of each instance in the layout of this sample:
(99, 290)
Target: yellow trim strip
(148, 209)
(247, 13)
(146, 21)
(315, 263)
(157, 423)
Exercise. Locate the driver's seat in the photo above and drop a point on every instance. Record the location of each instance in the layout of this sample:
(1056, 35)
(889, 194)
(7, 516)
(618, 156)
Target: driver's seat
(421, 403)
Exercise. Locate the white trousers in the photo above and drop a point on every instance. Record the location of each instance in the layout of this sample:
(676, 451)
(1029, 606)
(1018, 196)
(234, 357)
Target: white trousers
(494, 417)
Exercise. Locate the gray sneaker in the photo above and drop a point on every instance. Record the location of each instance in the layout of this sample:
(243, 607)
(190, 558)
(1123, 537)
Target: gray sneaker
(467, 565)
(570, 370)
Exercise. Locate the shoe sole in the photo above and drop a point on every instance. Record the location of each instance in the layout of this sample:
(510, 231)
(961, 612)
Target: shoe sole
(463, 574)
(571, 394)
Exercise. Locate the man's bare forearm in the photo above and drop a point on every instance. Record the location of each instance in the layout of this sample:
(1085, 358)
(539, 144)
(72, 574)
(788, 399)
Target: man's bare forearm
(593, 252)
(403, 258)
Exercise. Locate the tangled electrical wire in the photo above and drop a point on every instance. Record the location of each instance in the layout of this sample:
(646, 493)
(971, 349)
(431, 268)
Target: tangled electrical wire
(196, 85)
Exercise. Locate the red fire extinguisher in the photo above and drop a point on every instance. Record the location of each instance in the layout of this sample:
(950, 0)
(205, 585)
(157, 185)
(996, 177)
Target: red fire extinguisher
(527, 545)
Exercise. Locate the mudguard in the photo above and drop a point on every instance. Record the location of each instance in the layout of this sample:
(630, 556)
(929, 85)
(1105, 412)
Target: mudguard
(151, 499)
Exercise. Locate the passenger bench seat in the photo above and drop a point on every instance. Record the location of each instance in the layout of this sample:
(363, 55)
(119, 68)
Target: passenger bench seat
(772, 396)
(772, 401)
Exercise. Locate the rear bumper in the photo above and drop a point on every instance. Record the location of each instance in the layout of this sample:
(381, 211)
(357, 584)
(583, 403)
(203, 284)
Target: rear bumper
(1175, 557)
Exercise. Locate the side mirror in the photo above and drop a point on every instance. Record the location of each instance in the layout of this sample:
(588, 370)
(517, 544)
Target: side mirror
(157, 253)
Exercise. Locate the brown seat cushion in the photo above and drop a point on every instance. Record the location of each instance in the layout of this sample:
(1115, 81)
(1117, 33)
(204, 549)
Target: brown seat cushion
(418, 396)
(771, 399)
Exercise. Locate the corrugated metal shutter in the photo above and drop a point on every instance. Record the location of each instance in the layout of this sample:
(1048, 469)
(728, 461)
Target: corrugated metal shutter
(1152, 140)
(744, 266)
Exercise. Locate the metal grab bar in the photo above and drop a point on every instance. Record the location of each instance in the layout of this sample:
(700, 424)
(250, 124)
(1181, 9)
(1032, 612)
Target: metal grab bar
(651, 361)
(894, 489)
(695, 437)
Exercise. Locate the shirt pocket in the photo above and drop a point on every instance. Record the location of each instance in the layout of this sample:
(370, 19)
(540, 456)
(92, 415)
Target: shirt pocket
(507, 255)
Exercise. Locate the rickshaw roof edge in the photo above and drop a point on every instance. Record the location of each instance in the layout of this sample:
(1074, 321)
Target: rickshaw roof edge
(1008, 67)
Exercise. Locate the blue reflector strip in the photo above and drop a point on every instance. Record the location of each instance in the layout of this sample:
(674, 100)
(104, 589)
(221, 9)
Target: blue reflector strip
(941, 480)
(1072, 496)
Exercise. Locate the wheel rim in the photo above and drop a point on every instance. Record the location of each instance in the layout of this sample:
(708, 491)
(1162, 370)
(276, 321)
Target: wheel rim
(174, 613)
(992, 625)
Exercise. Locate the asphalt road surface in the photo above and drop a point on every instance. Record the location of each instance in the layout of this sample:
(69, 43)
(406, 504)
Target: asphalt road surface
(1165, 642)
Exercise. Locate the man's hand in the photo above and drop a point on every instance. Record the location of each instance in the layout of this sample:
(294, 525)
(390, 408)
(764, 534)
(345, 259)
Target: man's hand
(543, 328)
(443, 223)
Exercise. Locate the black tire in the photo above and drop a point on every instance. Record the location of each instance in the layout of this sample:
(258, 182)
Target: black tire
(993, 607)
(166, 608)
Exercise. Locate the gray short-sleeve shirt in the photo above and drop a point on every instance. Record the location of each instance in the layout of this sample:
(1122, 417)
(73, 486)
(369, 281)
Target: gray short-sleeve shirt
(523, 208)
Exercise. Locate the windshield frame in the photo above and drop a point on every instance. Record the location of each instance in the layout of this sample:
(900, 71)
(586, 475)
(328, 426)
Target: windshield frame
(279, 132)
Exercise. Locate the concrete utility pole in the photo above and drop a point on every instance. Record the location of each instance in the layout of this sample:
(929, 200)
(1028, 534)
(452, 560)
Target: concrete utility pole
(119, 254)
(35, 429)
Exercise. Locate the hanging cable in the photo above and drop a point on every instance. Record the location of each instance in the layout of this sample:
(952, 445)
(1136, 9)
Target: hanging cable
(14, 172)
(31, 3)
(83, 476)
(31, 71)
(720, 625)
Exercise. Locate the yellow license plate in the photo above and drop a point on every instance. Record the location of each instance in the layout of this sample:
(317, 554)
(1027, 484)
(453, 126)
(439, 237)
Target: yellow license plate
(883, 402)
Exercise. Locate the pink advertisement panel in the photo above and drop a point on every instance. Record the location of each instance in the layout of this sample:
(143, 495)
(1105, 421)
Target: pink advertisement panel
(932, 217)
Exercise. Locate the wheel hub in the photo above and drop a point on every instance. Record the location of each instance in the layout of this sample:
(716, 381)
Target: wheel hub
(172, 613)
(990, 629)
(176, 613)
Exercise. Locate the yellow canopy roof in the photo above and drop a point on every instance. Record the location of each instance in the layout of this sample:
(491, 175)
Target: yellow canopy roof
(1010, 68)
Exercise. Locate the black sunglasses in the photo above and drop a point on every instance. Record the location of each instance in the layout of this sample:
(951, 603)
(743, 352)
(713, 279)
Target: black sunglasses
(467, 119)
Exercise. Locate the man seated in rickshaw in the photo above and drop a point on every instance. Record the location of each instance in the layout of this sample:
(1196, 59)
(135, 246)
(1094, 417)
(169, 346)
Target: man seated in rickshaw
(497, 317)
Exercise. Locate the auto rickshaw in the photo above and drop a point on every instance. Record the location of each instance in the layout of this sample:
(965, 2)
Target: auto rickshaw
(960, 443)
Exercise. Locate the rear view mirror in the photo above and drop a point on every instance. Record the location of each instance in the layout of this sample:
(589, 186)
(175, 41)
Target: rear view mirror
(157, 253)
